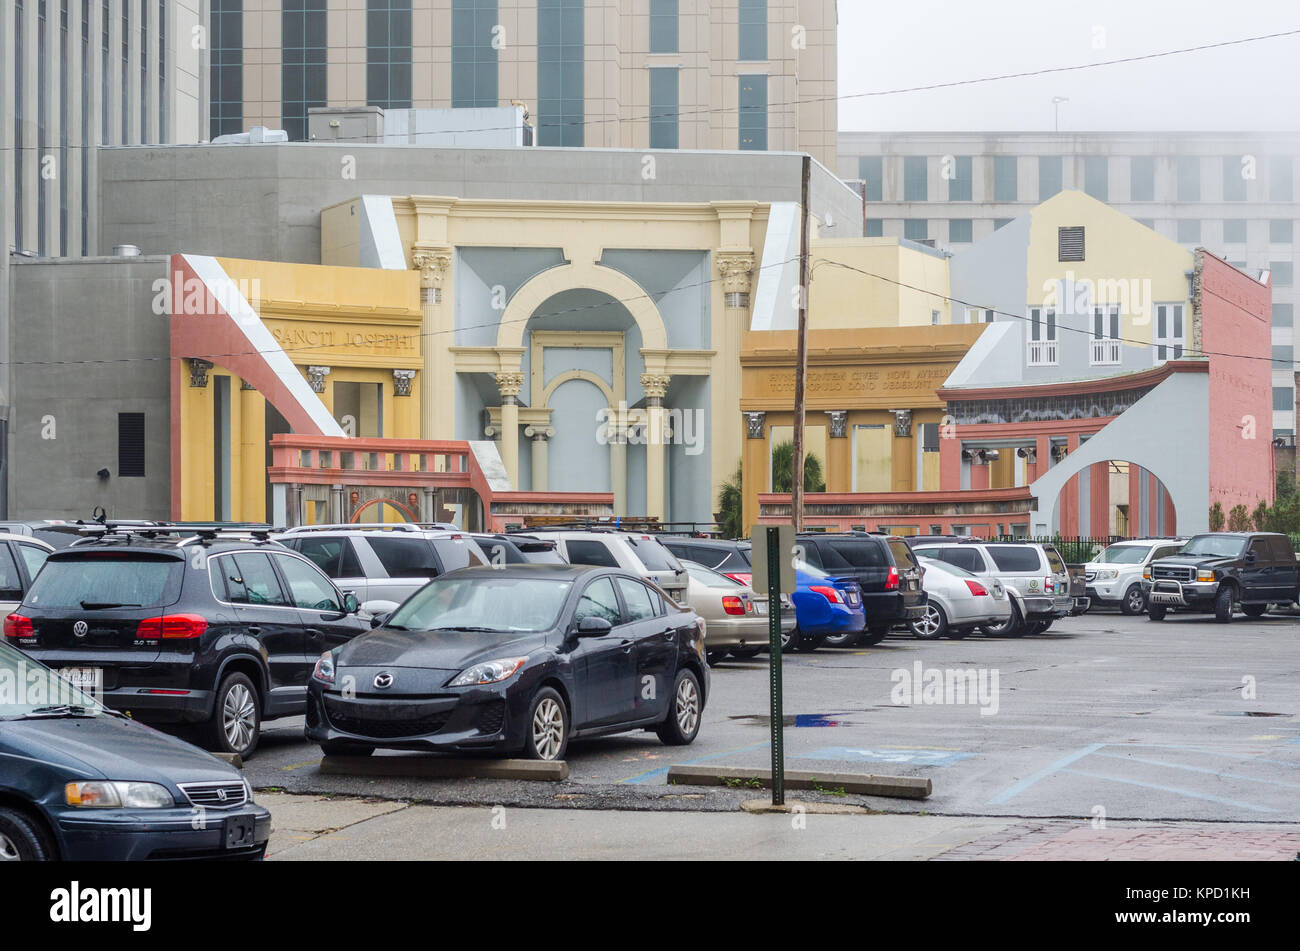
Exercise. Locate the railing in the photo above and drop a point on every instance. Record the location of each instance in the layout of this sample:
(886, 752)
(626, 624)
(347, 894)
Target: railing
(1105, 352)
(1042, 353)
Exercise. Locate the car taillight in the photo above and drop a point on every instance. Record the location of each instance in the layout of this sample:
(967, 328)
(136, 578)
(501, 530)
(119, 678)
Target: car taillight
(891, 582)
(18, 626)
(172, 626)
(1049, 584)
(743, 577)
(732, 604)
(976, 588)
(827, 592)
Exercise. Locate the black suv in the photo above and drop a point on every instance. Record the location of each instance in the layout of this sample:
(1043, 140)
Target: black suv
(214, 628)
(732, 558)
(883, 566)
(1215, 571)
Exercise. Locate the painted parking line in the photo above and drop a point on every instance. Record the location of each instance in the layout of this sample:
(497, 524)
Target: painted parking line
(912, 757)
(1192, 794)
(663, 770)
(1198, 769)
(1011, 792)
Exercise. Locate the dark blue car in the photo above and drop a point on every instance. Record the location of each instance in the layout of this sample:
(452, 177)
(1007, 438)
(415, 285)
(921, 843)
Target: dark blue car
(83, 783)
(824, 606)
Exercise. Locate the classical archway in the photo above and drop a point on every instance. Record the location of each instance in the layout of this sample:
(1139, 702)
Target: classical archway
(569, 277)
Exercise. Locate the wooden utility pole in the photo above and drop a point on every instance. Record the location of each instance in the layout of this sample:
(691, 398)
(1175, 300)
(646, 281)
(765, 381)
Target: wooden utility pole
(801, 357)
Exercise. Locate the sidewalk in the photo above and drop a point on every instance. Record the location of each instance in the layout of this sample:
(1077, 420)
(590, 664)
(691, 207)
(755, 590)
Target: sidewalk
(318, 828)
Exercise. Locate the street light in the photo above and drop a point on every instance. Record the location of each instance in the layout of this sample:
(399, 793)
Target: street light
(1056, 111)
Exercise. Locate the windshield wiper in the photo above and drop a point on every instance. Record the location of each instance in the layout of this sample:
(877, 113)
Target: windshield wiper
(394, 627)
(60, 710)
(101, 605)
(493, 630)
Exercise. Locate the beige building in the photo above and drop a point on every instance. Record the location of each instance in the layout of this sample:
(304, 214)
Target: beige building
(691, 74)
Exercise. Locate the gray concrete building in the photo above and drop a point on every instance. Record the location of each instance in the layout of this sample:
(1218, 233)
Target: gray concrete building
(1235, 194)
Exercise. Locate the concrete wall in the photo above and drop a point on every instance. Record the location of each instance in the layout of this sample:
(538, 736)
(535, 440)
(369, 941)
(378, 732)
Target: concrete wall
(265, 201)
(63, 416)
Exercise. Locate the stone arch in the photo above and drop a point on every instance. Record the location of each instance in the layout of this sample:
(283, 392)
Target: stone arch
(570, 277)
(585, 375)
(400, 506)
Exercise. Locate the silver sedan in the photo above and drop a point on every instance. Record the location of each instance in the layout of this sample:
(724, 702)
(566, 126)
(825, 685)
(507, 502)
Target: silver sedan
(735, 617)
(958, 601)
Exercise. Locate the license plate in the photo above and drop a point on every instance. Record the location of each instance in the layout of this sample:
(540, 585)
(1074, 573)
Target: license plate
(239, 832)
(852, 598)
(760, 607)
(83, 678)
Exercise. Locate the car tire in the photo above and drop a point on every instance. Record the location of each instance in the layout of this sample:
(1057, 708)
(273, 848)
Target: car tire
(715, 657)
(1157, 612)
(746, 653)
(22, 839)
(1223, 604)
(1254, 610)
(843, 640)
(811, 642)
(337, 748)
(1035, 627)
(957, 633)
(931, 625)
(1134, 601)
(546, 730)
(1014, 626)
(685, 711)
(790, 640)
(236, 722)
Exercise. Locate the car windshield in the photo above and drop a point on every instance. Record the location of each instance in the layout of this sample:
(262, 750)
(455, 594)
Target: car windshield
(653, 554)
(1217, 546)
(1123, 555)
(708, 577)
(934, 564)
(107, 579)
(490, 602)
(29, 688)
(809, 570)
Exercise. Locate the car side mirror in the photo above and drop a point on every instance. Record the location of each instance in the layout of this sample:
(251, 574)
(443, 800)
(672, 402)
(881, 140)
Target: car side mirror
(350, 603)
(592, 626)
(1250, 557)
(376, 620)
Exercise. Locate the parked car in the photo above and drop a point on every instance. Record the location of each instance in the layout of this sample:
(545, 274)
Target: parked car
(637, 552)
(21, 558)
(957, 602)
(735, 616)
(1034, 576)
(513, 550)
(1216, 571)
(515, 659)
(1114, 576)
(732, 558)
(82, 783)
(383, 561)
(218, 630)
(885, 569)
(60, 533)
(826, 606)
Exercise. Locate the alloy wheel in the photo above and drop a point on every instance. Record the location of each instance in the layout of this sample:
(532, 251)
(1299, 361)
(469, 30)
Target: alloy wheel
(1136, 601)
(8, 850)
(548, 728)
(687, 706)
(239, 716)
(927, 625)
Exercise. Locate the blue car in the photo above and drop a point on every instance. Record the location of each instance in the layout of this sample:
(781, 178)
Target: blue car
(81, 782)
(824, 605)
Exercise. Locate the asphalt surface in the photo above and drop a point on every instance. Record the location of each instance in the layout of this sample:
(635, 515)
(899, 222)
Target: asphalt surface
(1103, 716)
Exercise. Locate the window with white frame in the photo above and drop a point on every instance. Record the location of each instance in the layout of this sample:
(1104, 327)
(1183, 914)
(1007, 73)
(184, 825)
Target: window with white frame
(1167, 341)
(1104, 347)
(979, 315)
(1042, 337)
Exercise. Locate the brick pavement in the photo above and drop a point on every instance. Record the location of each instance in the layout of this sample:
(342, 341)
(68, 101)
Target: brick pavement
(1078, 840)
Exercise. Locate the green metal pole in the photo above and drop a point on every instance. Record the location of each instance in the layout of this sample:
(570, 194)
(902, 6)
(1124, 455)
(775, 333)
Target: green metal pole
(774, 556)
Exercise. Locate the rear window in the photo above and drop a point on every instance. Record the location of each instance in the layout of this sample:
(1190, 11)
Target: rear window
(653, 555)
(404, 557)
(849, 554)
(458, 552)
(1054, 558)
(108, 578)
(902, 554)
(582, 552)
(736, 560)
(965, 558)
(1015, 557)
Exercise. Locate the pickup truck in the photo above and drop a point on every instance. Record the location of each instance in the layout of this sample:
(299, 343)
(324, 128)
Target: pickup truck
(1216, 571)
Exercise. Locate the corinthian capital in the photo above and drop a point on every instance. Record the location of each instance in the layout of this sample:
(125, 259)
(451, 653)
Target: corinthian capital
(510, 383)
(432, 263)
(736, 269)
(655, 385)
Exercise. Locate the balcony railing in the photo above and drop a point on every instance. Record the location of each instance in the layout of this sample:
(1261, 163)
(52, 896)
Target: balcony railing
(1042, 353)
(1105, 353)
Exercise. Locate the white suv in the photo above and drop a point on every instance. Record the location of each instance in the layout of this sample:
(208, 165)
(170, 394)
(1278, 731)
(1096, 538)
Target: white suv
(637, 552)
(1115, 575)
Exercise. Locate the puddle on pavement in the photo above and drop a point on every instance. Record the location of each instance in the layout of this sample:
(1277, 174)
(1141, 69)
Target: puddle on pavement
(798, 719)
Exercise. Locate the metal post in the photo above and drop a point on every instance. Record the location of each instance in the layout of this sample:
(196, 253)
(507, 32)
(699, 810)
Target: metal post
(774, 555)
(801, 359)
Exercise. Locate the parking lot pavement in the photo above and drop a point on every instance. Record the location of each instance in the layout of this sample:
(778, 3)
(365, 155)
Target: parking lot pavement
(1102, 717)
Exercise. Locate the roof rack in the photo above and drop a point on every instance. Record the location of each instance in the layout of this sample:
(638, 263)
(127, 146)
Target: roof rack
(367, 526)
(184, 531)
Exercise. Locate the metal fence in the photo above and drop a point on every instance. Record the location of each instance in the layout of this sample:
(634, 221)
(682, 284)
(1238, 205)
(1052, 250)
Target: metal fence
(1074, 549)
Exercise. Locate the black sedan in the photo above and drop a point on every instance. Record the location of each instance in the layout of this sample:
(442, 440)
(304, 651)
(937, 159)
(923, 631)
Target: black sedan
(514, 658)
(81, 782)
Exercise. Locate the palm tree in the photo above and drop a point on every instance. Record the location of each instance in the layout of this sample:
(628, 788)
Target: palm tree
(731, 501)
(783, 470)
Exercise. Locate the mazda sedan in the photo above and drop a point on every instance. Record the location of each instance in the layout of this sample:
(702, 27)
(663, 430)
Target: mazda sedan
(514, 659)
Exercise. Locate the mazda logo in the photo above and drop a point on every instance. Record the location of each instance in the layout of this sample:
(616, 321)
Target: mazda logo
(80, 628)
(383, 681)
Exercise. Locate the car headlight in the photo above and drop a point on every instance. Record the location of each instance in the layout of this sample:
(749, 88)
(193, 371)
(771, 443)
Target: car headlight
(1108, 574)
(1205, 575)
(324, 671)
(118, 795)
(488, 672)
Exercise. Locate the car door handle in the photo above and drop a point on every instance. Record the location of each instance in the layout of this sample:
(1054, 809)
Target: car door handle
(254, 630)
(313, 633)
(669, 633)
(627, 646)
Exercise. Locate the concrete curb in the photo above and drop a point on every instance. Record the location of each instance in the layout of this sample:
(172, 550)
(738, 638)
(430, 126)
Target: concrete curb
(429, 767)
(898, 787)
(792, 806)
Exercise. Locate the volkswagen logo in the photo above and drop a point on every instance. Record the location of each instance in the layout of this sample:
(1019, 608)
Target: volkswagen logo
(383, 681)
(80, 628)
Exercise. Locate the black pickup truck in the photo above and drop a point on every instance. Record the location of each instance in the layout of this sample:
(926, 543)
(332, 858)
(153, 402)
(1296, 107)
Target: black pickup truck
(1216, 571)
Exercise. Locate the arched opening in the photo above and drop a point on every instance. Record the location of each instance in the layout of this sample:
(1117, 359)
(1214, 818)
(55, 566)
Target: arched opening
(1114, 498)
